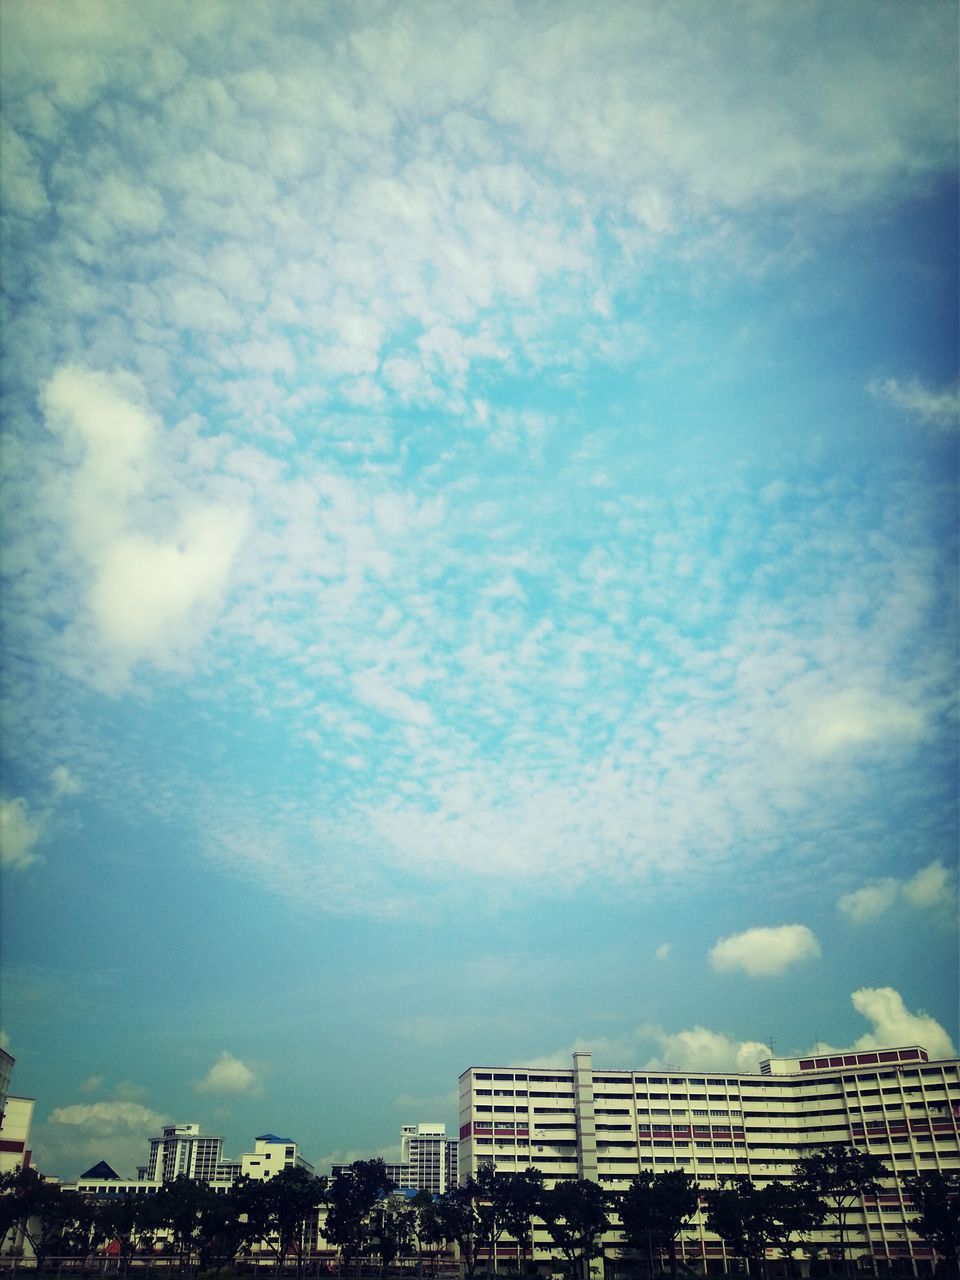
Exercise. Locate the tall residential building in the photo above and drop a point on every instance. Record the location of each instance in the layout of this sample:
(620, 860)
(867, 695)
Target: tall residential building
(16, 1117)
(6, 1071)
(15, 1133)
(428, 1159)
(609, 1125)
(183, 1152)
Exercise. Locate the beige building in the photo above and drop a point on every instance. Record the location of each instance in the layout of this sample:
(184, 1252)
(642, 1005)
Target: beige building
(609, 1125)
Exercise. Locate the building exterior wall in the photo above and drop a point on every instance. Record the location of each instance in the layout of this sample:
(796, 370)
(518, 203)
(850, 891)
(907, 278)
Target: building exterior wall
(428, 1160)
(270, 1154)
(15, 1133)
(611, 1125)
(183, 1152)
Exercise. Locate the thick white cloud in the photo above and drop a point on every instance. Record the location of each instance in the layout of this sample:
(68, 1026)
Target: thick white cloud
(894, 1024)
(108, 433)
(698, 1049)
(228, 1075)
(765, 952)
(150, 595)
(933, 886)
(19, 834)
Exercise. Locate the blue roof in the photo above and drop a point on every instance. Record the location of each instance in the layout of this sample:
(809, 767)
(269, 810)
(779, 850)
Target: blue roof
(272, 1137)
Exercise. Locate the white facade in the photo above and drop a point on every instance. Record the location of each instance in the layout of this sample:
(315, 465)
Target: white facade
(183, 1152)
(428, 1158)
(610, 1125)
(270, 1154)
(15, 1133)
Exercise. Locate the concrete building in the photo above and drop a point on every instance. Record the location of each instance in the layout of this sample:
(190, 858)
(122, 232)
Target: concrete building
(270, 1154)
(16, 1117)
(183, 1152)
(609, 1125)
(428, 1159)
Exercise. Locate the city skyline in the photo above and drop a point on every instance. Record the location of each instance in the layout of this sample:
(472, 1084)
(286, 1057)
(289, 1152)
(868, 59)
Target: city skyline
(480, 551)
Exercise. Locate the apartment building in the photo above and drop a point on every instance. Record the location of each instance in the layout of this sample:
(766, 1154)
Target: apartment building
(609, 1125)
(16, 1117)
(428, 1160)
(183, 1152)
(270, 1155)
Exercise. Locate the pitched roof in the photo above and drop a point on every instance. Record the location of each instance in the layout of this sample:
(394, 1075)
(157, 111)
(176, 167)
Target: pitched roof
(272, 1137)
(102, 1171)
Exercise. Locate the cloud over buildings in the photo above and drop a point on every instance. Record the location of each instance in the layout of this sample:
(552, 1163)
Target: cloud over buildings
(228, 1075)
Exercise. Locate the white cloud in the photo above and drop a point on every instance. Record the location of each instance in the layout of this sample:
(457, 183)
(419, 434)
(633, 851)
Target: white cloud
(228, 1075)
(894, 1024)
(765, 952)
(933, 886)
(869, 902)
(80, 1134)
(64, 782)
(108, 433)
(854, 718)
(19, 834)
(698, 1049)
(939, 406)
(663, 951)
(109, 1117)
(149, 595)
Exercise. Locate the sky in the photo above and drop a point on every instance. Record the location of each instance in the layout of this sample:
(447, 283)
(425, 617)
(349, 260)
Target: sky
(479, 551)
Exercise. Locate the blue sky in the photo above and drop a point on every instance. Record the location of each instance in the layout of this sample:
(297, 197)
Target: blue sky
(480, 551)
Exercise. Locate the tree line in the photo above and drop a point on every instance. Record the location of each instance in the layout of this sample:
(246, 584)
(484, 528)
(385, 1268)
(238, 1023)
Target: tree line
(217, 1228)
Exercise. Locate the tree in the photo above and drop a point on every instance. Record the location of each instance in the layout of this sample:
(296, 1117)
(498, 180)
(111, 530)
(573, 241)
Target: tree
(936, 1197)
(521, 1204)
(431, 1228)
(458, 1219)
(285, 1204)
(748, 1218)
(491, 1194)
(575, 1214)
(351, 1197)
(395, 1229)
(656, 1208)
(40, 1209)
(178, 1205)
(733, 1214)
(789, 1210)
(840, 1175)
(123, 1219)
